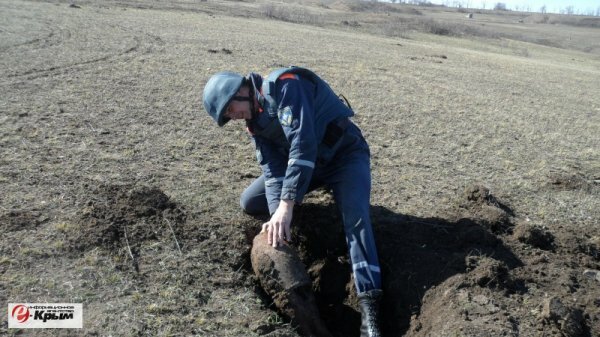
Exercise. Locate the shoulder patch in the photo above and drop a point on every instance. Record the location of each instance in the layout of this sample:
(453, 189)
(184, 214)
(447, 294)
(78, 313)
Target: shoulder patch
(285, 116)
(288, 76)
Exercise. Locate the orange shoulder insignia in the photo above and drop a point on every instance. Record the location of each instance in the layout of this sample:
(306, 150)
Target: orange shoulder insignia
(287, 76)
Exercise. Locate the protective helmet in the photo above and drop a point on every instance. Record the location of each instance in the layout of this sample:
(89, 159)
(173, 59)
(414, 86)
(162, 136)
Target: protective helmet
(218, 91)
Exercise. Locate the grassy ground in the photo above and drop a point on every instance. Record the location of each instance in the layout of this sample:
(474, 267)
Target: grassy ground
(110, 95)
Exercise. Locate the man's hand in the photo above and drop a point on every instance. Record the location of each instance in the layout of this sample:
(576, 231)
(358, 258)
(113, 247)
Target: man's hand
(278, 228)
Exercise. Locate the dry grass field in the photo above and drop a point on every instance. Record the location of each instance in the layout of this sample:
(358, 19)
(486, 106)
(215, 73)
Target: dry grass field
(118, 191)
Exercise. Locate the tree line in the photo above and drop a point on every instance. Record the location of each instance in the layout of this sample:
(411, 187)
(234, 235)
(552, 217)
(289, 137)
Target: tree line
(501, 6)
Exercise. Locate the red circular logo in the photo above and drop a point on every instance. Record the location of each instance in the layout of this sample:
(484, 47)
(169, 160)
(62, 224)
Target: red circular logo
(20, 313)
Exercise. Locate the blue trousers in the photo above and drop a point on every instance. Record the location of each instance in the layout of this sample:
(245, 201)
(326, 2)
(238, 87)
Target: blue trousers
(347, 172)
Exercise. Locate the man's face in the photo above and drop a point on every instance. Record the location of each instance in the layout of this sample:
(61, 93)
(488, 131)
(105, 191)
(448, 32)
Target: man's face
(240, 109)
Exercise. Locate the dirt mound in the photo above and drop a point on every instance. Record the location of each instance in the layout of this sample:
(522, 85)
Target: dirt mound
(590, 247)
(535, 236)
(17, 220)
(421, 254)
(117, 215)
(416, 254)
(486, 272)
(570, 181)
(478, 203)
(451, 309)
(570, 321)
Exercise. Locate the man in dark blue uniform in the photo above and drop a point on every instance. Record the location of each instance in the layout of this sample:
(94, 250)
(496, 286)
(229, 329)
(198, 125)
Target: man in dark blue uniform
(304, 139)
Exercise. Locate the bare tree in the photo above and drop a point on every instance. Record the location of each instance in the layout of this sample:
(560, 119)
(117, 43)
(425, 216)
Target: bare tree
(483, 4)
(500, 6)
(569, 10)
(598, 11)
(543, 9)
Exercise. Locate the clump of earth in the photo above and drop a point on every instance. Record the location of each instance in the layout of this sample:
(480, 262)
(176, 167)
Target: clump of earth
(125, 216)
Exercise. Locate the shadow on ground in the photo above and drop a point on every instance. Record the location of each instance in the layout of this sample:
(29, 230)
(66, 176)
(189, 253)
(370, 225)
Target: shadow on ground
(416, 255)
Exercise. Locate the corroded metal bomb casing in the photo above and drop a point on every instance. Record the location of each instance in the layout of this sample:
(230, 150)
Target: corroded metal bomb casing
(283, 276)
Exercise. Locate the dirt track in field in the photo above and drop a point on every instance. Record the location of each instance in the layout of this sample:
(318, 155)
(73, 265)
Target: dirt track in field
(117, 191)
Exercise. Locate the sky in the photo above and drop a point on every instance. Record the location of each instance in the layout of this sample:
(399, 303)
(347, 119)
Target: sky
(552, 6)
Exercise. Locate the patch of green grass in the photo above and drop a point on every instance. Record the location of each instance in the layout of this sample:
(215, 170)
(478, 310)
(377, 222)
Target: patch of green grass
(65, 227)
(59, 245)
(6, 260)
(33, 252)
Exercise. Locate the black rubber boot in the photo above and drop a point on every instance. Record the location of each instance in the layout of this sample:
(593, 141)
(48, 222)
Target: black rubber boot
(369, 309)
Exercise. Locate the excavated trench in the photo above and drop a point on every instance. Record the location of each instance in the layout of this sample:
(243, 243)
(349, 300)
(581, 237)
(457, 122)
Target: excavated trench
(416, 255)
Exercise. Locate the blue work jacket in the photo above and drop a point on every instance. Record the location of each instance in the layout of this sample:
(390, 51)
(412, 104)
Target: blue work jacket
(297, 107)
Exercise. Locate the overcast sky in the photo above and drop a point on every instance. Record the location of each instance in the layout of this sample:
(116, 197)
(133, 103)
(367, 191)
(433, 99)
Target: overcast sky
(552, 6)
